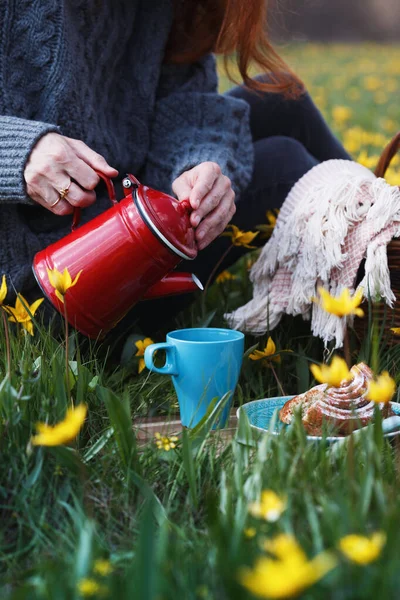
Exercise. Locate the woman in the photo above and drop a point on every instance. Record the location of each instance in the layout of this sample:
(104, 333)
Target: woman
(130, 86)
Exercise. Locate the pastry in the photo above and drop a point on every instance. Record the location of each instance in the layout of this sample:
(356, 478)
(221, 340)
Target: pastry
(343, 409)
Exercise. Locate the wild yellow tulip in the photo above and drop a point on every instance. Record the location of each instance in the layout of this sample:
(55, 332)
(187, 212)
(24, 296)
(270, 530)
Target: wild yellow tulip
(63, 432)
(239, 237)
(89, 587)
(269, 351)
(3, 290)
(225, 276)
(381, 390)
(269, 507)
(342, 305)
(141, 346)
(361, 549)
(23, 313)
(61, 282)
(289, 573)
(333, 374)
(102, 567)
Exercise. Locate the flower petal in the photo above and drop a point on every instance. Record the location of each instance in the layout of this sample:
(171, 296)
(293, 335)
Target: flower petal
(33, 307)
(3, 290)
(76, 279)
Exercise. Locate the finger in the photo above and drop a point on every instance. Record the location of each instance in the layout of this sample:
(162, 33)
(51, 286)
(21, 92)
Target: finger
(216, 221)
(76, 196)
(181, 187)
(207, 175)
(42, 191)
(82, 173)
(211, 200)
(54, 203)
(92, 158)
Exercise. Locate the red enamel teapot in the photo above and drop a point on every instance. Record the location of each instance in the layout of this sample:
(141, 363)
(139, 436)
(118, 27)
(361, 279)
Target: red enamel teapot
(126, 254)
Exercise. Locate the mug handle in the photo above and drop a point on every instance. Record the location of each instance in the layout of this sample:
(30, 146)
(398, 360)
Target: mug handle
(170, 367)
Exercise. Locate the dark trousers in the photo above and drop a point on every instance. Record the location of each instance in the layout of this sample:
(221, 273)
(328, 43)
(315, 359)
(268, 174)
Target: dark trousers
(290, 137)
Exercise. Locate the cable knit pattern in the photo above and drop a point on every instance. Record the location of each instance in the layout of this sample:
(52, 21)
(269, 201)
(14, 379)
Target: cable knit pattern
(191, 127)
(91, 70)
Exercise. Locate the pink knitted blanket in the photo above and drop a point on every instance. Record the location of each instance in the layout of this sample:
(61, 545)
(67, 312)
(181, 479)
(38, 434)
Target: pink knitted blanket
(333, 217)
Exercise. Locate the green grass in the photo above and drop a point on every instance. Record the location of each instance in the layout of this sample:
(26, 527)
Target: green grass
(173, 524)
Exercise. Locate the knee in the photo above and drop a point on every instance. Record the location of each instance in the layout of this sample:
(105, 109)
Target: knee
(279, 147)
(281, 159)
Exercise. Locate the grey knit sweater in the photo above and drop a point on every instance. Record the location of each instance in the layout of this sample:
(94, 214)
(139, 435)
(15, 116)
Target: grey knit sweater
(93, 70)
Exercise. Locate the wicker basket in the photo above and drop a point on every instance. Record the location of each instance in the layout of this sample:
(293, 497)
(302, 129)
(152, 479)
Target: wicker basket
(382, 313)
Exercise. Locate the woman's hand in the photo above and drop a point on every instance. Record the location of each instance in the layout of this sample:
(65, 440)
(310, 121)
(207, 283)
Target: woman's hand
(212, 198)
(58, 163)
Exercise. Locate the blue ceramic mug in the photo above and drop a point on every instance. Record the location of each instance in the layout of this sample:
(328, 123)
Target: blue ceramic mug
(205, 364)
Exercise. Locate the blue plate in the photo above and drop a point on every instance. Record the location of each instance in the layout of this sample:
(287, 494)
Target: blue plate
(260, 413)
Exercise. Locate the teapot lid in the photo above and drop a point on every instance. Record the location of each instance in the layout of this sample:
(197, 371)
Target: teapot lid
(168, 219)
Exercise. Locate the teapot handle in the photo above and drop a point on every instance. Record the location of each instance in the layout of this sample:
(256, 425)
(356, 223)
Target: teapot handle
(111, 195)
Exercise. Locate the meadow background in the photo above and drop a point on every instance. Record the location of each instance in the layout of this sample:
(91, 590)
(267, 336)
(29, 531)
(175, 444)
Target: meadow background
(109, 517)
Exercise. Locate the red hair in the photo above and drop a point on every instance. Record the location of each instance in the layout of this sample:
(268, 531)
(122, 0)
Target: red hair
(226, 27)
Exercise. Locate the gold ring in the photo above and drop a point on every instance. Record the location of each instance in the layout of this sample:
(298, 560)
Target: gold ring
(56, 202)
(64, 192)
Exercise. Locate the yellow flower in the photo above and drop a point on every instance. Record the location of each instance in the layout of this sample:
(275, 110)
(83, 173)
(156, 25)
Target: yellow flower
(239, 237)
(164, 442)
(61, 282)
(333, 374)
(225, 276)
(341, 114)
(392, 177)
(3, 290)
(250, 532)
(269, 507)
(88, 587)
(342, 305)
(103, 567)
(283, 546)
(141, 346)
(381, 390)
(20, 314)
(271, 217)
(267, 229)
(269, 350)
(372, 83)
(396, 330)
(361, 549)
(368, 161)
(64, 431)
(288, 574)
(250, 262)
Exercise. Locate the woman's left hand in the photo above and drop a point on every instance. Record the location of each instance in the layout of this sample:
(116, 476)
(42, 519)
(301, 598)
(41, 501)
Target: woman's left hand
(212, 198)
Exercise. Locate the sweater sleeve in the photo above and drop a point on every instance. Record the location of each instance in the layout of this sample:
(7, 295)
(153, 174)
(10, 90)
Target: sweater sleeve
(17, 138)
(194, 124)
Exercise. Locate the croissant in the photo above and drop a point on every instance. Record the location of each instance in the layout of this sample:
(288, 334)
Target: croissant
(344, 408)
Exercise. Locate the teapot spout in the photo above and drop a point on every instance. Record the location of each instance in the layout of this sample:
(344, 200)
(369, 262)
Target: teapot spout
(173, 284)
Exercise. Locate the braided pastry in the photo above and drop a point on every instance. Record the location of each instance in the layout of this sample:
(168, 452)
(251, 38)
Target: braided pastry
(344, 408)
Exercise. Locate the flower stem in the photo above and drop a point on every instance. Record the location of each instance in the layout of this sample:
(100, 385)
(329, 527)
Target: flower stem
(346, 348)
(67, 353)
(215, 269)
(7, 344)
(277, 380)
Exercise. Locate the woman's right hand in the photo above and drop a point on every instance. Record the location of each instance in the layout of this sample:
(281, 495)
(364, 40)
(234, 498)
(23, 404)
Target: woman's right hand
(57, 163)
